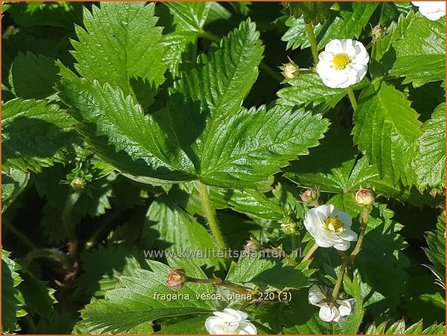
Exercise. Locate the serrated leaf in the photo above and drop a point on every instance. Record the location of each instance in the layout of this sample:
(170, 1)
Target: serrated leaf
(33, 76)
(247, 147)
(420, 53)
(169, 227)
(382, 249)
(120, 43)
(230, 72)
(247, 268)
(136, 302)
(195, 326)
(13, 183)
(11, 297)
(400, 328)
(308, 89)
(348, 23)
(310, 11)
(386, 128)
(190, 16)
(436, 250)
(124, 137)
(38, 296)
(35, 134)
(429, 161)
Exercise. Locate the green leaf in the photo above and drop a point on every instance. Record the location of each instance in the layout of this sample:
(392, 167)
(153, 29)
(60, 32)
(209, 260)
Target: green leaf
(310, 11)
(139, 299)
(436, 250)
(33, 76)
(190, 16)
(382, 249)
(11, 297)
(308, 89)
(38, 296)
(104, 263)
(195, 326)
(348, 23)
(430, 154)
(400, 328)
(35, 134)
(229, 74)
(420, 53)
(124, 137)
(169, 227)
(386, 128)
(120, 44)
(251, 145)
(13, 183)
(248, 268)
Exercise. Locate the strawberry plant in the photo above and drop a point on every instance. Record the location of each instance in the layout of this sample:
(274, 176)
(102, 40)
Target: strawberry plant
(223, 168)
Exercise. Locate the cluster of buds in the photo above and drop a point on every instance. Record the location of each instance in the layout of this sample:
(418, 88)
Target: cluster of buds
(289, 227)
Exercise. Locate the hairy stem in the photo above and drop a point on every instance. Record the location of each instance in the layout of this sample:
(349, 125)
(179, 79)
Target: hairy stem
(312, 41)
(210, 215)
(19, 234)
(341, 272)
(352, 98)
(310, 252)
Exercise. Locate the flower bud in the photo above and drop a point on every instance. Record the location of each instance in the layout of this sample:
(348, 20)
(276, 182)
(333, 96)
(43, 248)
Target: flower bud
(78, 184)
(310, 196)
(377, 32)
(289, 228)
(289, 70)
(251, 245)
(176, 278)
(364, 197)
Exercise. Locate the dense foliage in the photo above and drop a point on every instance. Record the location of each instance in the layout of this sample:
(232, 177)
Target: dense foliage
(135, 132)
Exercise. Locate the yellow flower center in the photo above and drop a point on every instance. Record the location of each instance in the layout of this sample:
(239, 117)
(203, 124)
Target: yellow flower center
(333, 224)
(341, 61)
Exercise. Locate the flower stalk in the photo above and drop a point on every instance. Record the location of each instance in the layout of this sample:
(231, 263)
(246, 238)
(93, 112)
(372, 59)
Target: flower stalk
(312, 41)
(310, 252)
(352, 98)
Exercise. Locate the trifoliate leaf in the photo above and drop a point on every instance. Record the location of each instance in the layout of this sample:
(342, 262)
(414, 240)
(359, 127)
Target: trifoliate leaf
(169, 227)
(386, 128)
(35, 134)
(33, 76)
(429, 161)
(125, 137)
(144, 297)
(121, 44)
(420, 53)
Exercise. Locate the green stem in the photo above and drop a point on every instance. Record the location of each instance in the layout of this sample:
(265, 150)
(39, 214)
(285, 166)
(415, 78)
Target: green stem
(310, 252)
(341, 272)
(352, 98)
(265, 67)
(219, 282)
(312, 41)
(358, 246)
(210, 215)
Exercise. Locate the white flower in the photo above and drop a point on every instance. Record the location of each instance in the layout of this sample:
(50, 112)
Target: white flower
(432, 10)
(329, 311)
(330, 227)
(229, 322)
(342, 63)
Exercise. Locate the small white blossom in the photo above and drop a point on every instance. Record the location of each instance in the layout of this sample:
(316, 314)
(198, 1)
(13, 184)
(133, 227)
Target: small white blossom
(342, 63)
(229, 322)
(330, 227)
(432, 10)
(330, 311)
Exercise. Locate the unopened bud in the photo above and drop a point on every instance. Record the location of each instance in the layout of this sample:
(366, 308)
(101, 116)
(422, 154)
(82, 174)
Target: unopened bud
(364, 197)
(310, 196)
(289, 228)
(289, 70)
(377, 32)
(176, 278)
(78, 184)
(251, 245)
